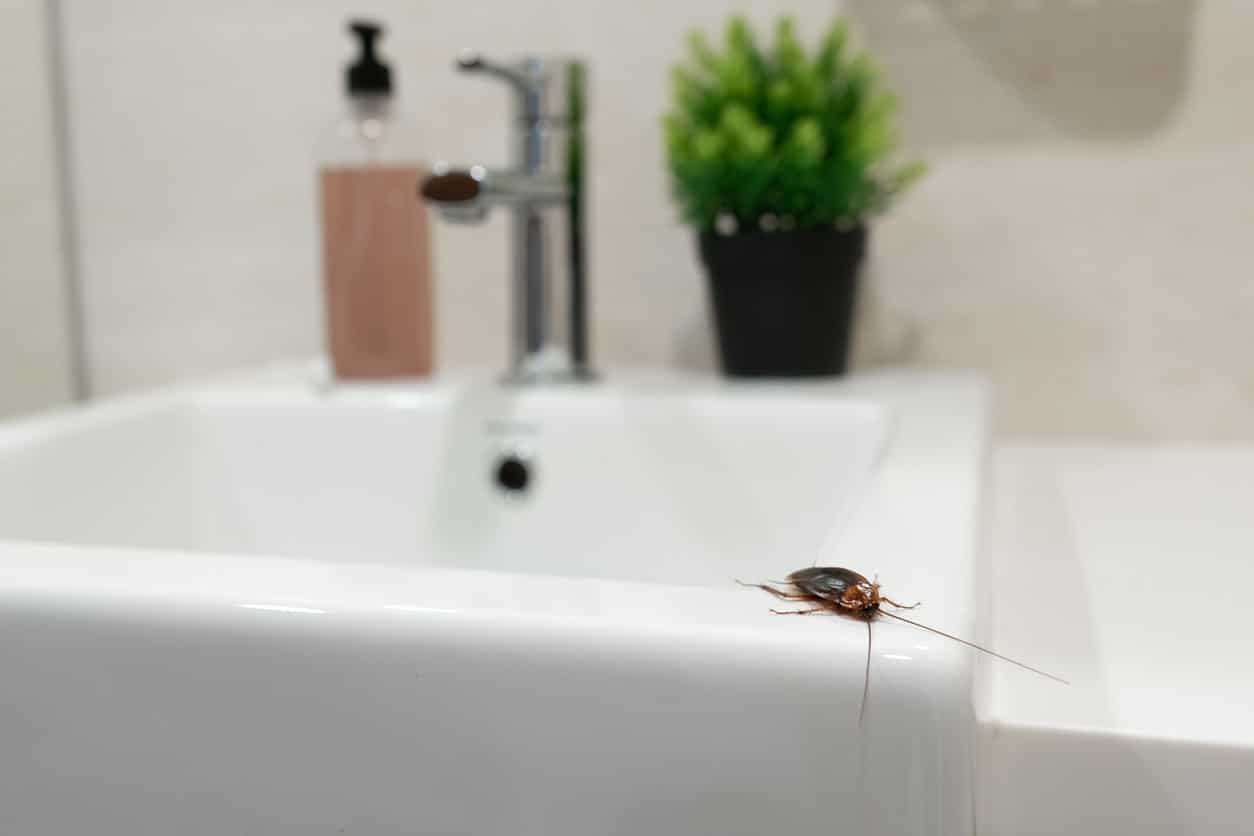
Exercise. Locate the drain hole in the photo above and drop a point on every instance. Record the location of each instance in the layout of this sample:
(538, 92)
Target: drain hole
(513, 474)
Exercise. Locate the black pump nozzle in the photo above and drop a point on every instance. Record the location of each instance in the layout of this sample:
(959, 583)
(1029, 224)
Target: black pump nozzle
(368, 76)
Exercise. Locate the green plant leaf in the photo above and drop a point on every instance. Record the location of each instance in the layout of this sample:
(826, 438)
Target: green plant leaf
(807, 136)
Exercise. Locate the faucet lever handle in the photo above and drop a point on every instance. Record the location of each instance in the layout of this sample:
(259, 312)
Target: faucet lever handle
(472, 62)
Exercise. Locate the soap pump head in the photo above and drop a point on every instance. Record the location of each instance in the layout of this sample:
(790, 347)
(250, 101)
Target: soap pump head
(368, 76)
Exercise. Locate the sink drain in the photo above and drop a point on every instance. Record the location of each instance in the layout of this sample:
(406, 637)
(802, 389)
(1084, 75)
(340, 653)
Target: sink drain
(513, 474)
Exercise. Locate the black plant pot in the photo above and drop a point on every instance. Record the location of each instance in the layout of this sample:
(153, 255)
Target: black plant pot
(784, 301)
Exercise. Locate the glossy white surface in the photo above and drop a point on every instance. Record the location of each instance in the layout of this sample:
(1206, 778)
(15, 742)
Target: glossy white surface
(424, 658)
(637, 485)
(1128, 569)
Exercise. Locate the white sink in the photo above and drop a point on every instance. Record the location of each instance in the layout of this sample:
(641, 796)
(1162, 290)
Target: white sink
(274, 608)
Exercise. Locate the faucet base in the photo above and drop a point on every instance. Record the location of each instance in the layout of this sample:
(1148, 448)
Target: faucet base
(551, 364)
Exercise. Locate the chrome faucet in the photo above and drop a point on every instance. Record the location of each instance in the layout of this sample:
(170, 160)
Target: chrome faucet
(544, 189)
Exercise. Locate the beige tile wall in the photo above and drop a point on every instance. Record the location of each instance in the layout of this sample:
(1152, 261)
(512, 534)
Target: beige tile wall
(1081, 236)
(1085, 233)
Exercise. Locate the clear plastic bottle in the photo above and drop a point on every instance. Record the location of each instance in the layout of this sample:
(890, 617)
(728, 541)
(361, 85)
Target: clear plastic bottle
(375, 232)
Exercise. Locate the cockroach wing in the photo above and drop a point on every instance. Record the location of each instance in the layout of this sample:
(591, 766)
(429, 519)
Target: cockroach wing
(827, 583)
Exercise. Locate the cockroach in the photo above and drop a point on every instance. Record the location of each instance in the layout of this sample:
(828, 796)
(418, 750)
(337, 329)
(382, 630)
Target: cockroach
(838, 591)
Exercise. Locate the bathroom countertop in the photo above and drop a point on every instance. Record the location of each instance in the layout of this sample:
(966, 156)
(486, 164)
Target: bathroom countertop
(1130, 571)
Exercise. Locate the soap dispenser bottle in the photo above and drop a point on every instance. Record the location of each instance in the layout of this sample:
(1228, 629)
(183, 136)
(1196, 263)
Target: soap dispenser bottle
(375, 237)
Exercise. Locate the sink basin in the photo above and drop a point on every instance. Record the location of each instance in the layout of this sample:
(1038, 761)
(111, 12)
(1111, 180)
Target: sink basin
(641, 485)
(275, 607)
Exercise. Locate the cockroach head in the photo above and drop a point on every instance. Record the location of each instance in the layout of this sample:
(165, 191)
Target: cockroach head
(860, 597)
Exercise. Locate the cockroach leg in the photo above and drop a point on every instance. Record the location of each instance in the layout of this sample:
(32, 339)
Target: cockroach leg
(778, 593)
(800, 612)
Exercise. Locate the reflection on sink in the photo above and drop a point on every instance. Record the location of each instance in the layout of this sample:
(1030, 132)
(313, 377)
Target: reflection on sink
(274, 609)
(640, 486)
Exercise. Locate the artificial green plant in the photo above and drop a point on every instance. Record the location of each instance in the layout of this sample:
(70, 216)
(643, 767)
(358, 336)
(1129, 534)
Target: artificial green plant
(780, 138)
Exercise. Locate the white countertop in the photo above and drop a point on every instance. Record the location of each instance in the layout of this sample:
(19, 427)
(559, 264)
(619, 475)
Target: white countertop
(1129, 570)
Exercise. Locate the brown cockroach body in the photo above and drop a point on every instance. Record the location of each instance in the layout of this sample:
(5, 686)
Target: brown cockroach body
(839, 591)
